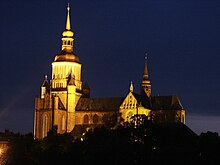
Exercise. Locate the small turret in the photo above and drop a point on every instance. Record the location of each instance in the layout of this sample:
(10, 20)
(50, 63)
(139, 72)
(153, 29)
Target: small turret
(45, 88)
(86, 90)
(131, 87)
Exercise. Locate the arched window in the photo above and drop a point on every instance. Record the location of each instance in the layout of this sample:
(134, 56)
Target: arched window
(86, 119)
(95, 118)
(105, 118)
(45, 125)
(63, 123)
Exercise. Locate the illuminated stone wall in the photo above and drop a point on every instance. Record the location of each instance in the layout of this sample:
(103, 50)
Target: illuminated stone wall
(94, 117)
(43, 123)
(61, 71)
(131, 107)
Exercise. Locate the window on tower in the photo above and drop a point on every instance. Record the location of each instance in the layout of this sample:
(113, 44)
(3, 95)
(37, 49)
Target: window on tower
(45, 125)
(63, 123)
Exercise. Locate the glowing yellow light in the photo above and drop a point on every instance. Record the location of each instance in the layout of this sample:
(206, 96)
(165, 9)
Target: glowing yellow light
(68, 34)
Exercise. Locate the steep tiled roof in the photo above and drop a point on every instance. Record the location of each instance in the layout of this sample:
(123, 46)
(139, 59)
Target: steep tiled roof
(142, 100)
(165, 103)
(99, 104)
(113, 104)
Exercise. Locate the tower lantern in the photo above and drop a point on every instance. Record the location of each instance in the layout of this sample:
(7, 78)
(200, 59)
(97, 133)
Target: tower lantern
(67, 39)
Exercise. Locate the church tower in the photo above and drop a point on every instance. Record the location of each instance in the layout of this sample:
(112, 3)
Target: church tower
(66, 74)
(66, 64)
(55, 109)
(145, 84)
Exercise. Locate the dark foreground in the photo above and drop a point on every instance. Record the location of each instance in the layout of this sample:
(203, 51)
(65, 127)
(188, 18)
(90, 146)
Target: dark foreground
(151, 144)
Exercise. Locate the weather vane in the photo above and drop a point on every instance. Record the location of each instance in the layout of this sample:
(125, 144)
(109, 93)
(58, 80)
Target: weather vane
(146, 56)
(68, 8)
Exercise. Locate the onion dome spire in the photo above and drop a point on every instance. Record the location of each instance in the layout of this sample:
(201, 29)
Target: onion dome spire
(67, 39)
(67, 53)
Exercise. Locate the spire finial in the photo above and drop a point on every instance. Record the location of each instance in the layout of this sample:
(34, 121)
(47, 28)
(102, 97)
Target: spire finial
(67, 40)
(68, 7)
(146, 56)
(68, 18)
(45, 77)
(131, 87)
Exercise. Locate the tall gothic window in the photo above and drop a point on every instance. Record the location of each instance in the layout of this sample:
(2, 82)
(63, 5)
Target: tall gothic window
(86, 119)
(63, 123)
(95, 118)
(45, 125)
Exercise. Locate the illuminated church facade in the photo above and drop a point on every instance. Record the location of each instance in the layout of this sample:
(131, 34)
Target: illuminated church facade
(65, 102)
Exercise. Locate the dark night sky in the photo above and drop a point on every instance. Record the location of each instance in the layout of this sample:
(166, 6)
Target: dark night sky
(182, 39)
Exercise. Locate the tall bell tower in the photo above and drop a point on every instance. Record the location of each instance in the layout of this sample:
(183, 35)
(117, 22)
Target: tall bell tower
(66, 64)
(55, 108)
(66, 74)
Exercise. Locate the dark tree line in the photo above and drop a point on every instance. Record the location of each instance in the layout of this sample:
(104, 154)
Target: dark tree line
(131, 144)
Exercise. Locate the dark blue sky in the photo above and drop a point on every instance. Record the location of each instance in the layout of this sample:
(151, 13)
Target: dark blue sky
(182, 40)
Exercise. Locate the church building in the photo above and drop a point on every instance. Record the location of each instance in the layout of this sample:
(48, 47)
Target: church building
(65, 103)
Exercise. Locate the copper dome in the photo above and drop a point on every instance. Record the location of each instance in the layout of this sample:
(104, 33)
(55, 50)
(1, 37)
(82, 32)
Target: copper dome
(66, 56)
